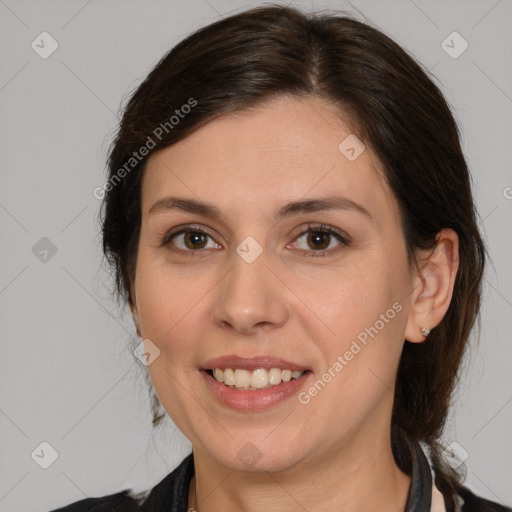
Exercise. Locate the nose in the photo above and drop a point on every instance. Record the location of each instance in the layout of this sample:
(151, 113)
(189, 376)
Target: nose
(251, 298)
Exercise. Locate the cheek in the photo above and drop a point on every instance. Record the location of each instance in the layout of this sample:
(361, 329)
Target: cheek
(167, 303)
(354, 294)
(364, 310)
(363, 304)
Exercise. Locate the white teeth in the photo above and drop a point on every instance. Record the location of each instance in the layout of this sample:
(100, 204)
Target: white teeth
(229, 377)
(274, 376)
(257, 379)
(242, 379)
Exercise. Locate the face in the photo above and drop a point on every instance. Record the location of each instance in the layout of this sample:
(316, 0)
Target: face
(265, 249)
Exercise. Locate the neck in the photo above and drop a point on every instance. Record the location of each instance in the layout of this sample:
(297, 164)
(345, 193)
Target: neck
(352, 479)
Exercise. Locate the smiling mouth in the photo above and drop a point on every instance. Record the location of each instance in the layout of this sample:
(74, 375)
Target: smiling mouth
(260, 378)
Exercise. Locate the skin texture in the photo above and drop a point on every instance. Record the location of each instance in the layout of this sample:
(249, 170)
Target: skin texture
(333, 453)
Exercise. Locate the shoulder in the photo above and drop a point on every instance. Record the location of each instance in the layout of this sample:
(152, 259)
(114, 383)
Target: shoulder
(470, 502)
(168, 495)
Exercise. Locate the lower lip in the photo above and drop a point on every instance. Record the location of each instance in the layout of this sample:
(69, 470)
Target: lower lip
(253, 400)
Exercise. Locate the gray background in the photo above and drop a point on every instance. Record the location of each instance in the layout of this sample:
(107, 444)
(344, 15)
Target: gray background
(67, 373)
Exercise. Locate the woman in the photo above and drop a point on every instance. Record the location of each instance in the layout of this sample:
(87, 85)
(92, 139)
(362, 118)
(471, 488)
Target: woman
(290, 219)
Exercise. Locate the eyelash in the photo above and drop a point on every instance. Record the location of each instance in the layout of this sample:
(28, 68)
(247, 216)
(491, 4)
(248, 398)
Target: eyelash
(343, 238)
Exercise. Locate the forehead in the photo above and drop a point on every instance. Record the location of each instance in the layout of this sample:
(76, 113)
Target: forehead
(283, 150)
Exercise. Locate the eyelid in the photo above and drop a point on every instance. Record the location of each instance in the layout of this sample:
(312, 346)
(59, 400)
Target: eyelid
(325, 228)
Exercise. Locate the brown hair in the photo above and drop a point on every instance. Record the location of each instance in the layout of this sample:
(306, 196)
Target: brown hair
(396, 109)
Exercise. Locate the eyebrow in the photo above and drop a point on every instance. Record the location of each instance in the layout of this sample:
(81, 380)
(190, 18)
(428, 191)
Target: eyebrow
(293, 208)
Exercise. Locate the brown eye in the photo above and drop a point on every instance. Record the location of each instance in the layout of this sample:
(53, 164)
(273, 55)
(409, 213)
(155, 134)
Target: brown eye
(189, 240)
(319, 239)
(195, 239)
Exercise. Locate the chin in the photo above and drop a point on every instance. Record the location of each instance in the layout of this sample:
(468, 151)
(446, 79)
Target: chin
(257, 455)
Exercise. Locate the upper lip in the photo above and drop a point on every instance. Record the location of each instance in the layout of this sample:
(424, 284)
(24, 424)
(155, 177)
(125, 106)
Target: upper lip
(251, 363)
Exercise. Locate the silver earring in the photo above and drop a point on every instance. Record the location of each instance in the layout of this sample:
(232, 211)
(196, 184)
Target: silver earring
(424, 331)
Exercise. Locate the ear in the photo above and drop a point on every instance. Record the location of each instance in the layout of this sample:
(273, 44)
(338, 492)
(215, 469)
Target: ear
(433, 284)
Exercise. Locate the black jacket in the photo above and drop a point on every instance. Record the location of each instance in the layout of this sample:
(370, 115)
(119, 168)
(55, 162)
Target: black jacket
(171, 493)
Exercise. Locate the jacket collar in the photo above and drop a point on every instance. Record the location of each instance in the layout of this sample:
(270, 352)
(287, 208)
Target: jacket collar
(420, 491)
